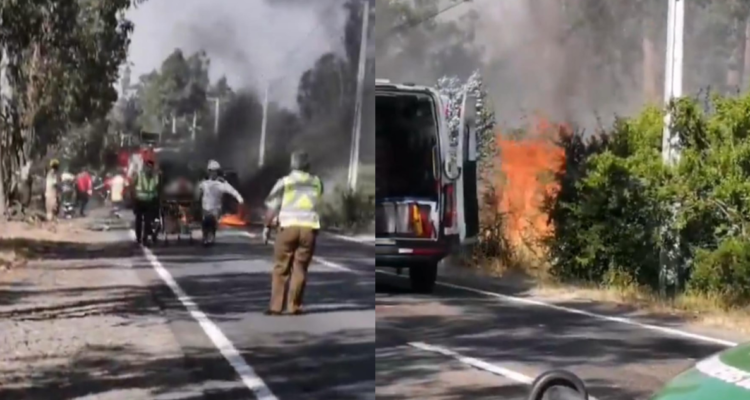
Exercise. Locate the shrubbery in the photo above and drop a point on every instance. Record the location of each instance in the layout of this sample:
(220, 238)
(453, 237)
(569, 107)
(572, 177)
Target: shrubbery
(351, 211)
(614, 214)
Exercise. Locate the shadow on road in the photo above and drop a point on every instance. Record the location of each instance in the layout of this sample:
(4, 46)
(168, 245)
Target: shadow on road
(313, 371)
(536, 337)
(34, 249)
(297, 364)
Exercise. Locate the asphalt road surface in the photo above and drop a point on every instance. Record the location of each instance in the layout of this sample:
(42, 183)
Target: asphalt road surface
(465, 342)
(214, 300)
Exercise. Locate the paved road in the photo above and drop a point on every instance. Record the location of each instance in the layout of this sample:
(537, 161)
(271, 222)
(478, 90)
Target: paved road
(328, 353)
(441, 346)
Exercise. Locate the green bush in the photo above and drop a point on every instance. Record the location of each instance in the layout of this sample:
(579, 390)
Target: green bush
(614, 212)
(351, 211)
(724, 272)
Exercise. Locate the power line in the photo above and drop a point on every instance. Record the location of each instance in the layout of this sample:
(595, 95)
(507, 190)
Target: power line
(406, 25)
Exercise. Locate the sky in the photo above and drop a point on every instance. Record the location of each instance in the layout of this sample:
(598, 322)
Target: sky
(249, 41)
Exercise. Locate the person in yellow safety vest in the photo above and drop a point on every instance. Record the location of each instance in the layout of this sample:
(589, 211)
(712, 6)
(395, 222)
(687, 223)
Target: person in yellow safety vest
(294, 200)
(146, 207)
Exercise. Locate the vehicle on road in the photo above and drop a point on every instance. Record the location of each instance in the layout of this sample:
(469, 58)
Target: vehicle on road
(426, 179)
(724, 375)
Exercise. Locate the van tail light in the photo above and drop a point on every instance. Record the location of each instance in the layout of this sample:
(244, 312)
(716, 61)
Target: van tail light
(449, 216)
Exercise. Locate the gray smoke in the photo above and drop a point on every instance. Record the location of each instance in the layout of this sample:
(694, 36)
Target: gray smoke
(537, 59)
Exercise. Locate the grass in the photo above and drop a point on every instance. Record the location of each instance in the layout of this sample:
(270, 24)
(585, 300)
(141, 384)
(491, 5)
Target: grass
(692, 309)
(347, 211)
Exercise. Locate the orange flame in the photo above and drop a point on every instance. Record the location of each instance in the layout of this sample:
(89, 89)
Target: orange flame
(234, 219)
(527, 167)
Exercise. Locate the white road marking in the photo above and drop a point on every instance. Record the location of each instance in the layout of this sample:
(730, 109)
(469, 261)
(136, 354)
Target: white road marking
(622, 320)
(246, 373)
(320, 260)
(477, 363)
(366, 240)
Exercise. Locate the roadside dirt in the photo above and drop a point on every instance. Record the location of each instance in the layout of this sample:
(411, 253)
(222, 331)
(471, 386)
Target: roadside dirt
(685, 312)
(76, 321)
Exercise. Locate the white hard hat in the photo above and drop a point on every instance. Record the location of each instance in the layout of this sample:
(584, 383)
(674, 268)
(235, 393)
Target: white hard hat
(213, 165)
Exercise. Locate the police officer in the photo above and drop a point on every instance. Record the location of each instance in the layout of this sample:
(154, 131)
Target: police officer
(294, 201)
(146, 205)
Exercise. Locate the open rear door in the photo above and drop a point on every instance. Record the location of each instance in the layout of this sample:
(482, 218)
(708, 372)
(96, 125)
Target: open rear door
(467, 194)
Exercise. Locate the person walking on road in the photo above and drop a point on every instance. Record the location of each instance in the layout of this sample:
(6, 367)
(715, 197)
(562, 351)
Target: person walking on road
(116, 190)
(83, 190)
(52, 189)
(210, 192)
(294, 202)
(146, 205)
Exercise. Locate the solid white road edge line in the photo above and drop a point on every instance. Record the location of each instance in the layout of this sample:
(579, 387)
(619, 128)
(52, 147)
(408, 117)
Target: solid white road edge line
(319, 260)
(246, 373)
(477, 363)
(622, 320)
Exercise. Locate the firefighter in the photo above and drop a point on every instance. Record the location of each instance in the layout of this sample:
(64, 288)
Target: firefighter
(146, 188)
(293, 201)
(51, 189)
(210, 192)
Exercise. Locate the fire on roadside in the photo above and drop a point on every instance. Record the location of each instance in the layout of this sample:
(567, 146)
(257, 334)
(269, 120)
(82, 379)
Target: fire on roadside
(232, 220)
(237, 219)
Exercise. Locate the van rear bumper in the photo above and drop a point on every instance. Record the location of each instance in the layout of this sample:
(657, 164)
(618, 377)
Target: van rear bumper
(405, 254)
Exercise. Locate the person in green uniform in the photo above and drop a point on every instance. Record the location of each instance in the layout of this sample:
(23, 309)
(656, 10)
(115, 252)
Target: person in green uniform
(146, 193)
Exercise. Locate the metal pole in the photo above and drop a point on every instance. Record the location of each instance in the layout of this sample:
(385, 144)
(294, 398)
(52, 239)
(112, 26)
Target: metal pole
(262, 146)
(216, 117)
(670, 142)
(673, 75)
(354, 155)
(195, 126)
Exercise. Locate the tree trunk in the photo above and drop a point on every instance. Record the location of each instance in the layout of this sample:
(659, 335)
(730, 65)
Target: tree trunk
(650, 86)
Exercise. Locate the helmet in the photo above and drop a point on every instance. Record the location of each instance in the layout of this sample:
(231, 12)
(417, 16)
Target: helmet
(300, 161)
(213, 165)
(53, 163)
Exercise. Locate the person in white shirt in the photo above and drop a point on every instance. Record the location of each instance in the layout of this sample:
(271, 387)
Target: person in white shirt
(117, 188)
(211, 192)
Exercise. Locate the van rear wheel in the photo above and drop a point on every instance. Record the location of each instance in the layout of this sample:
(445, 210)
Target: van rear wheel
(422, 277)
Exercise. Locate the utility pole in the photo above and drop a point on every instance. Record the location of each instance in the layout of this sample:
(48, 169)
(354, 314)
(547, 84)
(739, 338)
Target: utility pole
(216, 116)
(670, 142)
(263, 124)
(195, 127)
(356, 130)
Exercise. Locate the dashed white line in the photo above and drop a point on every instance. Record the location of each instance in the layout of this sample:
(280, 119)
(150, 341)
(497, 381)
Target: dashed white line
(621, 320)
(477, 363)
(365, 240)
(246, 373)
(320, 260)
(474, 362)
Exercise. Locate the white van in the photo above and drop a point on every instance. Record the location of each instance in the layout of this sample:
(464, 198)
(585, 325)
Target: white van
(426, 179)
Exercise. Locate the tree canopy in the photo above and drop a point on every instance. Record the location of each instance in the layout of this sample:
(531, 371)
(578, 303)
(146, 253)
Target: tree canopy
(60, 59)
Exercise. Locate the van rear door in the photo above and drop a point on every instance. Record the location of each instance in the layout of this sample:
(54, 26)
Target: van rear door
(408, 163)
(467, 195)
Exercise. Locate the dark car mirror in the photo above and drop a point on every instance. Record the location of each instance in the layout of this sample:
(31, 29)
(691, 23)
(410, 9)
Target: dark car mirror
(558, 385)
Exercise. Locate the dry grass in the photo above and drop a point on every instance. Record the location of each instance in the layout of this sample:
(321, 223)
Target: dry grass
(528, 261)
(14, 255)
